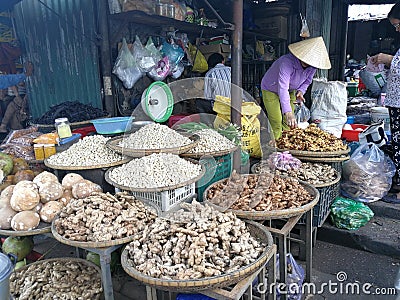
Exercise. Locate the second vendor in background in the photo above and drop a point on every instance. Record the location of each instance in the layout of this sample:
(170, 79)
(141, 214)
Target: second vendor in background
(287, 80)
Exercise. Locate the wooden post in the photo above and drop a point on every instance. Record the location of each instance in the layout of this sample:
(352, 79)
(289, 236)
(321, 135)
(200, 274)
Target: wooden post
(105, 58)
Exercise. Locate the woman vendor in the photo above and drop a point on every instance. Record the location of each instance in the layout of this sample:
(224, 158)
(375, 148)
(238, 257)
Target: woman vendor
(287, 80)
(392, 99)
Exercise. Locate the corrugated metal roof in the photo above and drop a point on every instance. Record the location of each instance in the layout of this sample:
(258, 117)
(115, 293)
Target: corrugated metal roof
(59, 37)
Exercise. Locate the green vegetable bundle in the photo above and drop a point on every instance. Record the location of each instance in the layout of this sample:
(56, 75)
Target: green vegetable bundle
(350, 214)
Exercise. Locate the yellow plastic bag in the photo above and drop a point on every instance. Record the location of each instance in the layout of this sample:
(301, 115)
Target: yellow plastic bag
(47, 138)
(200, 64)
(250, 123)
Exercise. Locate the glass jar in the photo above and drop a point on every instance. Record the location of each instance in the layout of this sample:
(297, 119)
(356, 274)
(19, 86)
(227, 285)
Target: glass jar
(39, 151)
(49, 150)
(63, 128)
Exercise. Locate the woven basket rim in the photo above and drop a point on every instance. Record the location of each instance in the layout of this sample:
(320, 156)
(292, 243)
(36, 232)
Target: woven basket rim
(157, 189)
(113, 145)
(272, 214)
(316, 153)
(208, 282)
(44, 228)
(77, 168)
(322, 159)
(103, 244)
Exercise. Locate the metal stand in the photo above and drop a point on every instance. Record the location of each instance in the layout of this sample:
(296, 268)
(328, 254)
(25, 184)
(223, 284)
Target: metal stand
(243, 287)
(283, 236)
(105, 259)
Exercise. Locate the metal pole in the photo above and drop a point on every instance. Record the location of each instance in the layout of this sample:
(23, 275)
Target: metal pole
(236, 91)
(105, 58)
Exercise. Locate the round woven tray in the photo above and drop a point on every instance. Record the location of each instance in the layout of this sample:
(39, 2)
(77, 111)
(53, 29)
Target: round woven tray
(214, 153)
(257, 230)
(77, 168)
(42, 228)
(104, 244)
(113, 144)
(157, 189)
(319, 154)
(271, 214)
(65, 260)
(336, 180)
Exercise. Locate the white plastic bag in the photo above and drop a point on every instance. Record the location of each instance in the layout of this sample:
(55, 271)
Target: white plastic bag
(125, 67)
(329, 104)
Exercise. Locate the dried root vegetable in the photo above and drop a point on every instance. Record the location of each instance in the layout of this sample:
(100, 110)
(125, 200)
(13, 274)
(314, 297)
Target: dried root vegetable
(69, 280)
(259, 192)
(312, 173)
(103, 217)
(310, 139)
(193, 243)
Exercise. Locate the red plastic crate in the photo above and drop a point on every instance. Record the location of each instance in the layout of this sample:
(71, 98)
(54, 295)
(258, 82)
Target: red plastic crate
(352, 135)
(180, 119)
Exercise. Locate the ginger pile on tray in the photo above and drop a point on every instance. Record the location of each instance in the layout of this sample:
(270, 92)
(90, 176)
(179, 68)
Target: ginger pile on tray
(194, 242)
(263, 192)
(310, 139)
(103, 217)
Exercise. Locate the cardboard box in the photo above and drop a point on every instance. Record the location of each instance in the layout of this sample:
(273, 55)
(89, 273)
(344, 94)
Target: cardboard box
(273, 26)
(223, 49)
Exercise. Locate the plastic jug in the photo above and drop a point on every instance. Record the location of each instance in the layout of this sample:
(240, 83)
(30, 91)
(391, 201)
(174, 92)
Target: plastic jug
(7, 263)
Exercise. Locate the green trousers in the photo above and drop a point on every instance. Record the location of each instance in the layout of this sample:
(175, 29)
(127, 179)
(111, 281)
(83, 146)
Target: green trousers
(274, 112)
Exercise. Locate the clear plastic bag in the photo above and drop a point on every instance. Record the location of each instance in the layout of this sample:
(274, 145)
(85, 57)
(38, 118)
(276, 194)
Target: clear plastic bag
(161, 71)
(173, 51)
(295, 277)
(125, 67)
(302, 113)
(367, 175)
(143, 57)
(304, 32)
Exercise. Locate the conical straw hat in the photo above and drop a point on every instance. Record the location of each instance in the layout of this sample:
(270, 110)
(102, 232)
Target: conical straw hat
(312, 51)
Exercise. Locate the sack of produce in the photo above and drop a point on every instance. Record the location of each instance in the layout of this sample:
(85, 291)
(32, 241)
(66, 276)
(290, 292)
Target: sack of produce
(250, 123)
(350, 214)
(367, 175)
(329, 103)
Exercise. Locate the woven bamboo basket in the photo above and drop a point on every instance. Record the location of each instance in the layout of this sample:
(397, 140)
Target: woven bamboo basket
(271, 214)
(66, 260)
(257, 230)
(113, 144)
(317, 154)
(41, 229)
(104, 244)
(214, 153)
(157, 189)
(77, 168)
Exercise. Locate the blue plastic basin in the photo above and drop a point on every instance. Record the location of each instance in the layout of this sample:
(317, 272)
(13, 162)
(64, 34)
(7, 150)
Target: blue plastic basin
(113, 125)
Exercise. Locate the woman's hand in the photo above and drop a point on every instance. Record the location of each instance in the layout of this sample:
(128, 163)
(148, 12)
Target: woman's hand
(381, 58)
(290, 120)
(300, 97)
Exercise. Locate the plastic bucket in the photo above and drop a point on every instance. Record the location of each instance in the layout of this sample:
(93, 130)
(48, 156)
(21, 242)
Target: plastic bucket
(381, 113)
(6, 267)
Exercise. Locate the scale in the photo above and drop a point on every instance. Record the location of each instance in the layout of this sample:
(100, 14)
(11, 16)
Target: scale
(158, 102)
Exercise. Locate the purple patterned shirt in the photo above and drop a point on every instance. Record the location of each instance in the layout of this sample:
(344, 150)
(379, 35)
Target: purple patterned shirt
(287, 74)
